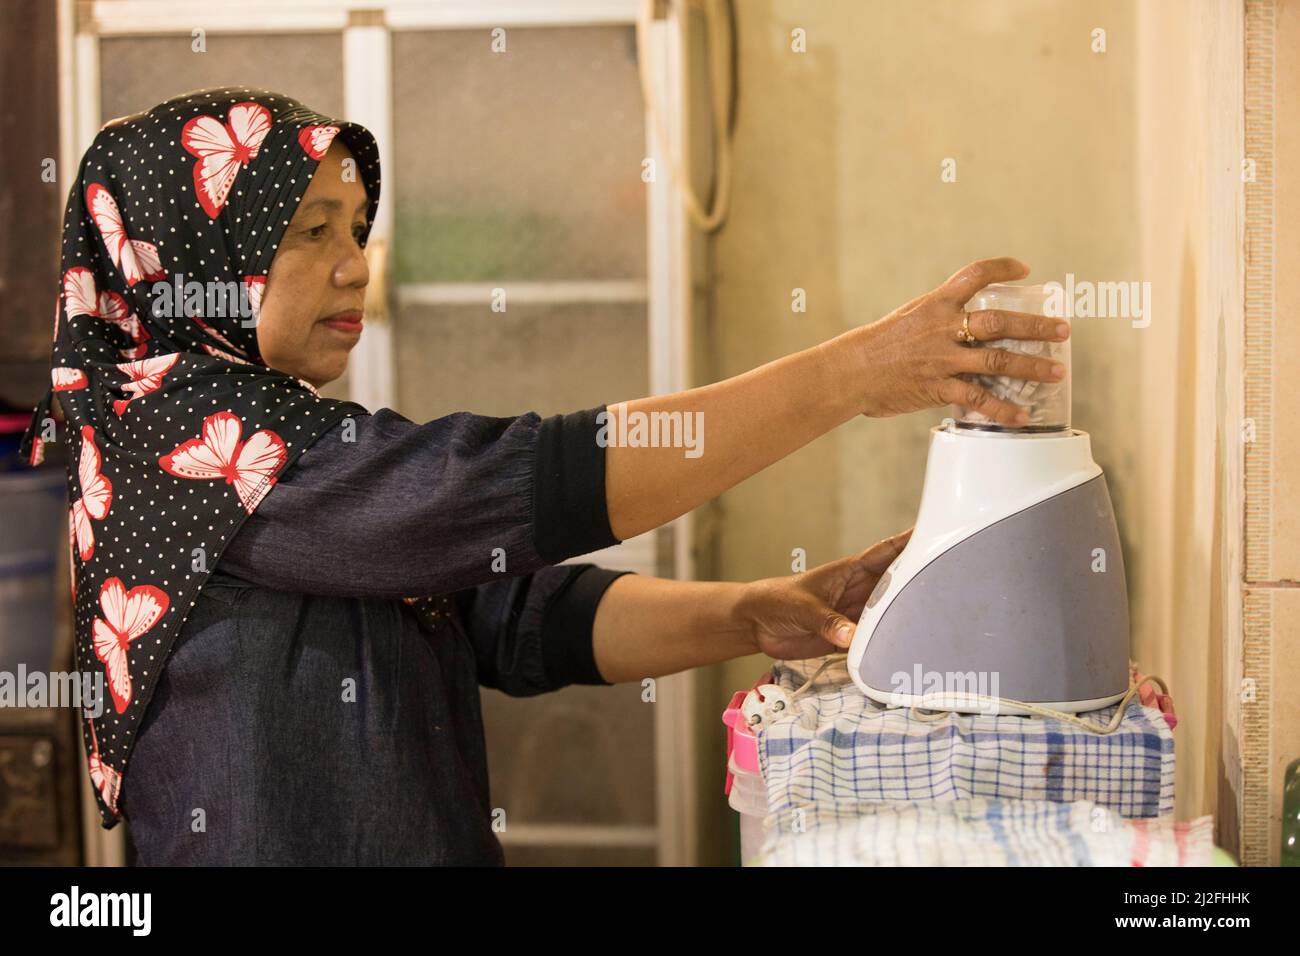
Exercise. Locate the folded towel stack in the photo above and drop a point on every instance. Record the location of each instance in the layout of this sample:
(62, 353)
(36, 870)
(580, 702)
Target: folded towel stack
(852, 781)
(982, 832)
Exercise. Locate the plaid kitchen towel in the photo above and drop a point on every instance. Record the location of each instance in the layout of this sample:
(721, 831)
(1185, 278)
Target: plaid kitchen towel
(844, 749)
(980, 831)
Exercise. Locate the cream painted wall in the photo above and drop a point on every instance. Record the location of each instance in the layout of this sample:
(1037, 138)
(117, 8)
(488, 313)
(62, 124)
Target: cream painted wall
(1190, 93)
(838, 192)
(1123, 165)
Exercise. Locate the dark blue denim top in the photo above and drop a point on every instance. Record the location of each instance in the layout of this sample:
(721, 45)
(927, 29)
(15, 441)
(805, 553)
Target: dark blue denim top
(308, 715)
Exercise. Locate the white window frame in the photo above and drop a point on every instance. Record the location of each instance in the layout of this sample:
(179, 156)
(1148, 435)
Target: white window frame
(366, 27)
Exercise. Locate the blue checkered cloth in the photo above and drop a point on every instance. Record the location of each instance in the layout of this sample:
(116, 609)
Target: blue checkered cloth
(846, 749)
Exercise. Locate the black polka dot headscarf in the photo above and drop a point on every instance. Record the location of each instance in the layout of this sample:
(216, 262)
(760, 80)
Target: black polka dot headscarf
(177, 428)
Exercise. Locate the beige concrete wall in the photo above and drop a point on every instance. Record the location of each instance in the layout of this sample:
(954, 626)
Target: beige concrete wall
(1124, 165)
(1190, 148)
(1220, 82)
(838, 192)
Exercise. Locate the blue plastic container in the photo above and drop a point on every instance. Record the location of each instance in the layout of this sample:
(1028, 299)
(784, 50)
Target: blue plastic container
(32, 507)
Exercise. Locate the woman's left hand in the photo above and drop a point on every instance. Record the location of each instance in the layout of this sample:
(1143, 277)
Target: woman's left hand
(815, 613)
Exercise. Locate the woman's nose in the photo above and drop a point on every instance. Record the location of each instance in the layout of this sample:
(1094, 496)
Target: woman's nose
(353, 270)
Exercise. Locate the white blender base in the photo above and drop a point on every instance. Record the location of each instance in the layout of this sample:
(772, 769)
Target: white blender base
(964, 704)
(1012, 585)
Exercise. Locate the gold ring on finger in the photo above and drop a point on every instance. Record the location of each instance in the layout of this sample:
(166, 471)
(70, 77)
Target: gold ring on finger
(965, 334)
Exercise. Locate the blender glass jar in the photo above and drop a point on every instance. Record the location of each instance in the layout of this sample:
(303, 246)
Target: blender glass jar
(1048, 403)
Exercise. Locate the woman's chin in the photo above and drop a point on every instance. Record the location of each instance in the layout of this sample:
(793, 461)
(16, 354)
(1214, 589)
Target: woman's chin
(330, 371)
(317, 375)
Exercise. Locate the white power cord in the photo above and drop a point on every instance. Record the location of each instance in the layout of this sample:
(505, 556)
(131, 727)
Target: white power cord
(830, 659)
(938, 713)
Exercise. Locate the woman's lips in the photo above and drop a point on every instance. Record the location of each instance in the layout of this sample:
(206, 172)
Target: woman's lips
(345, 321)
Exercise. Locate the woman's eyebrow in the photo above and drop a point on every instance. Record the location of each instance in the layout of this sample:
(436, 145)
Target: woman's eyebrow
(332, 204)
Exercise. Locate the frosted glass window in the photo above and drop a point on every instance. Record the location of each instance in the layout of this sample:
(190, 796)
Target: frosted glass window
(518, 165)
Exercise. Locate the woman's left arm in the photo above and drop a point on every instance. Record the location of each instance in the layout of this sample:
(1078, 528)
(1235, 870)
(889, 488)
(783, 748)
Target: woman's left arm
(583, 624)
(648, 627)
(533, 633)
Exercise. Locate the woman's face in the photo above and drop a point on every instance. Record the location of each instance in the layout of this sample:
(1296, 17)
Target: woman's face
(312, 307)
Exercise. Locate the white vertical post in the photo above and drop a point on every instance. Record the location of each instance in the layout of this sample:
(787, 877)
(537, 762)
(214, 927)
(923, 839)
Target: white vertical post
(669, 310)
(367, 99)
(86, 95)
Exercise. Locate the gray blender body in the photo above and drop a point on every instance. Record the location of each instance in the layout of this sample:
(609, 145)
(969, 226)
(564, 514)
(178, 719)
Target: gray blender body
(1016, 610)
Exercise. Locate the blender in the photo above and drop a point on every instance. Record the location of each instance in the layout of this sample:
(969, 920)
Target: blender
(1011, 588)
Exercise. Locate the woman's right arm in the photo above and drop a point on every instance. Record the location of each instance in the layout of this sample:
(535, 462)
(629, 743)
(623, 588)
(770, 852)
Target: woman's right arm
(907, 361)
(380, 506)
(409, 509)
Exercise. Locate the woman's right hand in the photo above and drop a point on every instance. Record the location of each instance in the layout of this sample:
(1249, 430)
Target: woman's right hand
(913, 358)
(909, 360)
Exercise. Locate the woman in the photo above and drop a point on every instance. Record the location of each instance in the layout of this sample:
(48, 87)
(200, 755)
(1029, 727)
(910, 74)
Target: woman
(327, 587)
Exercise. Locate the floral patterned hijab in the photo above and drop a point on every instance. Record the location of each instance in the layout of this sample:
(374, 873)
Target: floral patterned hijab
(177, 428)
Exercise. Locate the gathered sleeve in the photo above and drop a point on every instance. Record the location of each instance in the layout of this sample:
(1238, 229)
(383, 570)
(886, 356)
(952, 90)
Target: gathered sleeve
(479, 507)
(379, 506)
(534, 634)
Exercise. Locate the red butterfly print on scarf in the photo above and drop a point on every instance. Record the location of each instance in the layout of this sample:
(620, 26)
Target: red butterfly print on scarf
(134, 258)
(127, 615)
(82, 298)
(248, 465)
(256, 285)
(222, 148)
(315, 140)
(67, 379)
(106, 780)
(146, 375)
(96, 495)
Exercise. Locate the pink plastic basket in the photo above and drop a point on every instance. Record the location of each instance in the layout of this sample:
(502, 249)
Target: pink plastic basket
(742, 746)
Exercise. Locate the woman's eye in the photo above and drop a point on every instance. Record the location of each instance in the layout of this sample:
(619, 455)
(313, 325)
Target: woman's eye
(359, 232)
(317, 231)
